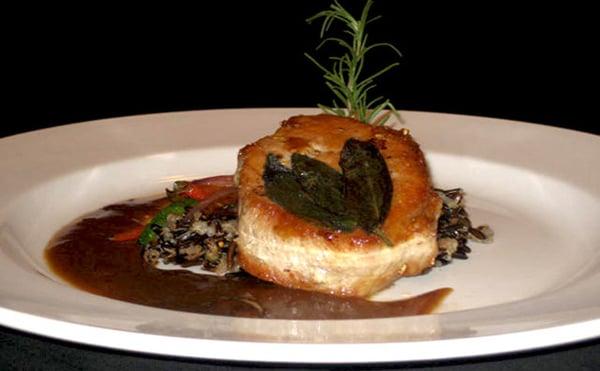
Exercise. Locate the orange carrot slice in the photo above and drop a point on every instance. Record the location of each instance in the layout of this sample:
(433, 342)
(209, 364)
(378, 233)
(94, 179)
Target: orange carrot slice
(128, 235)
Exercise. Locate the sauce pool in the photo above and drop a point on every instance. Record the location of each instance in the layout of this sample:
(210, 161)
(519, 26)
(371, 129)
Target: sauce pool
(83, 255)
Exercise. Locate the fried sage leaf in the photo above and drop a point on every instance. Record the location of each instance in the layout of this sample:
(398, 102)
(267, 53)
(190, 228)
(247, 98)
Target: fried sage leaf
(322, 182)
(360, 196)
(284, 187)
(368, 184)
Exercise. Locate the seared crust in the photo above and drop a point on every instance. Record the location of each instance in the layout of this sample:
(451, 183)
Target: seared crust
(278, 246)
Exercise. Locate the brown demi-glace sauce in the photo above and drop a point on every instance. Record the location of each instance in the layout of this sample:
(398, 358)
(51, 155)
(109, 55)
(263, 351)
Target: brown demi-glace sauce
(83, 255)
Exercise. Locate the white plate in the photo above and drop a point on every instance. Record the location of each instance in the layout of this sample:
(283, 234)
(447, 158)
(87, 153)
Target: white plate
(537, 285)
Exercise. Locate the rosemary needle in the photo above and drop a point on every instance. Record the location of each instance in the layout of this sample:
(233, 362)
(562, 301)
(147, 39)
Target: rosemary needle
(344, 78)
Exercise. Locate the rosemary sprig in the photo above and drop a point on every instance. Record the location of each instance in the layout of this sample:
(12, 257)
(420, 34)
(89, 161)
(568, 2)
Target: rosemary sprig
(344, 77)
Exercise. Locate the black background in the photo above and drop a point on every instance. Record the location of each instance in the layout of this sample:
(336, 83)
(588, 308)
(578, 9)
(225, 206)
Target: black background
(68, 65)
(71, 64)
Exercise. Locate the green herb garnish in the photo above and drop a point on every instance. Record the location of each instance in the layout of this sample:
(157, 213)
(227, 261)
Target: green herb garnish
(344, 77)
(285, 187)
(368, 185)
(322, 182)
(358, 197)
(160, 219)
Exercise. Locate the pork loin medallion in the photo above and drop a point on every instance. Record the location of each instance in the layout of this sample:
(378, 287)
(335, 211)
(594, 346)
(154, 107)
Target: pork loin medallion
(296, 246)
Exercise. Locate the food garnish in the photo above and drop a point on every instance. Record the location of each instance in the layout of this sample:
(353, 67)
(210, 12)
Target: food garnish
(345, 75)
(368, 185)
(304, 194)
(359, 196)
(325, 184)
(129, 234)
(178, 208)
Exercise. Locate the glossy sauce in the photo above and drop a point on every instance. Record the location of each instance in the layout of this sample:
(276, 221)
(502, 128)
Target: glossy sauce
(84, 256)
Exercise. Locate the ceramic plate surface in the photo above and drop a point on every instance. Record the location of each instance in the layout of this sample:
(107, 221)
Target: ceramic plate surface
(535, 286)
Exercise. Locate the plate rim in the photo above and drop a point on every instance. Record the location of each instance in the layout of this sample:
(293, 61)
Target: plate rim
(308, 353)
